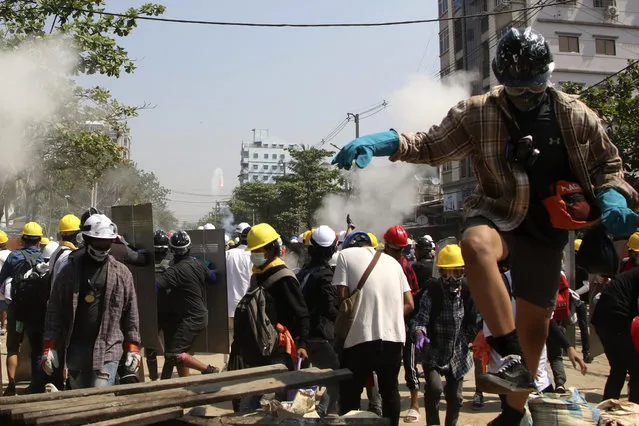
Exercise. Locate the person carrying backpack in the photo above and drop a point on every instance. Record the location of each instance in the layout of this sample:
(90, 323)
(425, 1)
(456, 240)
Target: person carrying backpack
(271, 322)
(445, 312)
(20, 319)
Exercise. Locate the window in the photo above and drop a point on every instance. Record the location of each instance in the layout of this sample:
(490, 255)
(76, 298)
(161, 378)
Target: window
(282, 145)
(264, 178)
(605, 46)
(266, 156)
(255, 178)
(254, 166)
(603, 3)
(470, 35)
(273, 167)
(459, 65)
(484, 24)
(282, 156)
(465, 168)
(255, 155)
(568, 43)
(458, 35)
(443, 6)
(274, 157)
(448, 167)
(444, 43)
(265, 167)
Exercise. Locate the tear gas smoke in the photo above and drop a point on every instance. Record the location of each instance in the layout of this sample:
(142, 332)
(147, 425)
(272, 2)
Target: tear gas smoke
(385, 193)
(34, 86)
(227, 221)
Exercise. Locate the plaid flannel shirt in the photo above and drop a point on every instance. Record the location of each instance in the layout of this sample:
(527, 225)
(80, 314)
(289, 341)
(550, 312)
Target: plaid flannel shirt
(120, 321)
(448, 348)
(410, 274)
(476, 127)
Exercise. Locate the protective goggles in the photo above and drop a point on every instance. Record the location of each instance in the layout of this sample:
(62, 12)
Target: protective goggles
(518, 91)
(451, 272)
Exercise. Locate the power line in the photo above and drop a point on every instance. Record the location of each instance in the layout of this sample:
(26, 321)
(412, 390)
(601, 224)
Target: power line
(292, 25)
(609, 77)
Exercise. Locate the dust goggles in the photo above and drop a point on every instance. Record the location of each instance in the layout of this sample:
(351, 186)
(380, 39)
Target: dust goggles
(518, 91)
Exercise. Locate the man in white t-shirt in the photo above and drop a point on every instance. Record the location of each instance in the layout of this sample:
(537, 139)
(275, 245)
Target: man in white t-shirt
(4, 253)
(374, 342)
(238, 271)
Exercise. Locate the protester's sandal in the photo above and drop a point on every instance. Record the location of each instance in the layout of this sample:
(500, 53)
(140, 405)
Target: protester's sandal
(412, 416)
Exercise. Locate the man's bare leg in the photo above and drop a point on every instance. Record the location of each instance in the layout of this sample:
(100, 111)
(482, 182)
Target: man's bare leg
(482, 247)
(189, 361)
(532, 326)
(12, 367)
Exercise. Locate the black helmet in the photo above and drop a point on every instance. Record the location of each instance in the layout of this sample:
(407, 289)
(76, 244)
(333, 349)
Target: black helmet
(87, 214)
(523, 59)
(160, 240)
(425, 243)
(180, 242)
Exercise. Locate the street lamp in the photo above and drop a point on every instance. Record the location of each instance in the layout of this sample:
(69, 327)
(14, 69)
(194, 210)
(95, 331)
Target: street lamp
(67, 197)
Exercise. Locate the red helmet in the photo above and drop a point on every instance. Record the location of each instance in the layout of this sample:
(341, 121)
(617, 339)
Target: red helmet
(396, 236)
(634, 332)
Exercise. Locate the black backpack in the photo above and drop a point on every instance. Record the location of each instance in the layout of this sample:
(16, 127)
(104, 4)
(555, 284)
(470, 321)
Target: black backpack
(253, 331)
(29, 289)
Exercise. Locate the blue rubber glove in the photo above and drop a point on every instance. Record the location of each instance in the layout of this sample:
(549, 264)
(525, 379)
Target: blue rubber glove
(363, 149)
(421, 340)
(212, 275)
(618, 219)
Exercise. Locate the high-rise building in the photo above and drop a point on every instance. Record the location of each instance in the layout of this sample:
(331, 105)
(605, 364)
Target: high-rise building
(263, 160)
(121, 137)
(590, 40)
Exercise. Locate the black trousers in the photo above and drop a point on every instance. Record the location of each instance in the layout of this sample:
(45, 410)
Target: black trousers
(433, 394)
(554, 352)
(582, 322)
(383, 358)
(623, 359)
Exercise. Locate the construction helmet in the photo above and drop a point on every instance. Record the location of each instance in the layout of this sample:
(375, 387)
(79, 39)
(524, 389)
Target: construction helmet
(241, 227)
(357, 239)
(160, 240)
(425, 243)
(231, 243)
(69, 223)
(32, 229)
(49, 249)
(261, 235)
(374, 242)
(523, 59)
(633, 242)
(323, 236)
(577, 244)
(208, 226)
(450, 257)
(180, 242)
(87, 214)
(396, 236)
(306, 237)
(44, 241)
(634, 333)
(100, 227)
(3, 237)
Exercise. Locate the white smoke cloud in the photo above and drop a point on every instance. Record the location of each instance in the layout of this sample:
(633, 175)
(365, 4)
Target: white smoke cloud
(33, 86)
(385, 193)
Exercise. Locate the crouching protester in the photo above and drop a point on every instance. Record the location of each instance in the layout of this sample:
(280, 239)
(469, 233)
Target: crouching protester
(92, 316)
(273, 293)
(446, 310)
(187, 279)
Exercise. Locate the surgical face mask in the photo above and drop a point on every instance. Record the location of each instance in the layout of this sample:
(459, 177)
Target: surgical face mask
(97, 255)
(526, 101)
(258, 259)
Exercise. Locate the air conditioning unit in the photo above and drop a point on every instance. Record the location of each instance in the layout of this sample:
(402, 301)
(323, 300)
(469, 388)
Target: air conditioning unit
(612, 11)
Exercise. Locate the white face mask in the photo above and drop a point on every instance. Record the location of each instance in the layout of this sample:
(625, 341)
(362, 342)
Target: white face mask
(97, 255)
(258, 259)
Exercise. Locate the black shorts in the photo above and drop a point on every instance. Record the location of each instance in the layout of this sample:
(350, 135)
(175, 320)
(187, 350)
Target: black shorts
(534, 262)
(179, 337)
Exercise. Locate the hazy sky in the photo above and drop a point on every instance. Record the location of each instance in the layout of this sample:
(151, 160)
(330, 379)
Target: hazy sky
(211, 85)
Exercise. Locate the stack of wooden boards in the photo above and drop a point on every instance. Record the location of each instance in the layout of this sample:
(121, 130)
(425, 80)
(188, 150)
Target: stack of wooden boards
(152, 402)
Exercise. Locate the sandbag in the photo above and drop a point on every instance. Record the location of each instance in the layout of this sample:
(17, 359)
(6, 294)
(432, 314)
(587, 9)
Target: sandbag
(618, 413)
(562, 409)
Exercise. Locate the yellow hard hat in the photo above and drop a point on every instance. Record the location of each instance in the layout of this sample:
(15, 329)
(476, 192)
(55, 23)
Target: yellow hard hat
(260, 235)
(231, 243)
(3, 237)
(306, 237)
(577, 244)
(32, 229)
(44, 241)
(450, 257)
(69, 223)
(633, 242)
(374, 242)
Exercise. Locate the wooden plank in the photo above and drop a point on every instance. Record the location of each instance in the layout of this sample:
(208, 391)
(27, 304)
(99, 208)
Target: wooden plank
(202, 395)
(9, 402)
(143, 419)
(268, 420)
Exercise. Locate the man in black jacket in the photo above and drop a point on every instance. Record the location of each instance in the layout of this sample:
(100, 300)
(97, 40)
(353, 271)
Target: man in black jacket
(612, 318)
(423, 266)
(321, 299)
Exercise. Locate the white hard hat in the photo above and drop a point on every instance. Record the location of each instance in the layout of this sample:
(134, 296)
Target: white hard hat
(208, 226)
(48, 250)
(241, 227)
(323, 236)
(100, 226)
(200, 228)
(341, 236)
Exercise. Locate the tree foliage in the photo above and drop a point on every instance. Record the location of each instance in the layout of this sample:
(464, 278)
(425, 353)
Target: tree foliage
(616, 100)
(289, 204)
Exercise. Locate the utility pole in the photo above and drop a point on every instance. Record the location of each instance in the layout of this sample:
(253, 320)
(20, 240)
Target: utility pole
(356, 118)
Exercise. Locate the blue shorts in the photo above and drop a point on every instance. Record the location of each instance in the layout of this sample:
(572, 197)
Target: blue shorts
(3, 305)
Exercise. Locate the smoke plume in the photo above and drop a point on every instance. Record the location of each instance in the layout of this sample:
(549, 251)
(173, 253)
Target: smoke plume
(34, 85)
(385, 193)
